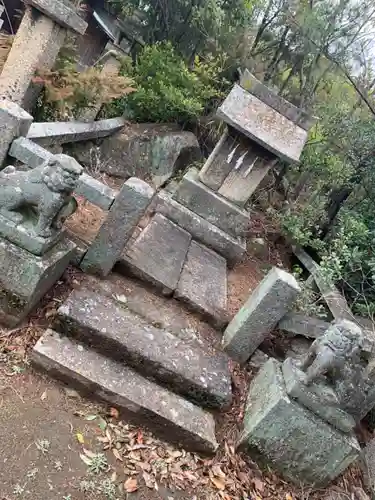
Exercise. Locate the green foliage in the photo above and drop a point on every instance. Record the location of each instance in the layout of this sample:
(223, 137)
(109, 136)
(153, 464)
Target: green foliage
(192, 26)
(167, 90)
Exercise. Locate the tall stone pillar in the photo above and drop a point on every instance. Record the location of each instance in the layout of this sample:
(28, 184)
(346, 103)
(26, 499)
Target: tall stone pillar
(39, 38)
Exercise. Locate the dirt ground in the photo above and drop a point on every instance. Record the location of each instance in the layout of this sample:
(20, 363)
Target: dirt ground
(43, 433)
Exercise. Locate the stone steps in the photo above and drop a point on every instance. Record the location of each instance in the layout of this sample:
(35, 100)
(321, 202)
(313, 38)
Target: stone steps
(141, 400)
(107, 325)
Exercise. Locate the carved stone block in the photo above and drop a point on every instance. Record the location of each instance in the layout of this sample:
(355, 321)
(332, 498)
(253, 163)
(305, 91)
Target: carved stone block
(26, 278)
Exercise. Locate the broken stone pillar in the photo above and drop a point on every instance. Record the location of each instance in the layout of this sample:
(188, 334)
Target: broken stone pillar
(269, 302)
(34, 251)
(262, 128)
(126, 211)
(14, 122)
(39, 38)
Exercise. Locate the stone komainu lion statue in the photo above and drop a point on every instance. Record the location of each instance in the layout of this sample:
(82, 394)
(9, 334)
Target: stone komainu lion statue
(329, 354)
(47, 190)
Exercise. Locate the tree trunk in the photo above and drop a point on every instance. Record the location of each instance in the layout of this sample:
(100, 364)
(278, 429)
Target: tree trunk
(337, 198)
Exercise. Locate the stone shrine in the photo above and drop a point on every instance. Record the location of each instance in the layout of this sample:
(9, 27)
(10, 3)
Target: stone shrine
(262, 128)
(294, 409)
(34, 251)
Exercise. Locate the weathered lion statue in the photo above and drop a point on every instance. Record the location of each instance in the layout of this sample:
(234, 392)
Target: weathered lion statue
(47, 190)
(329, 354)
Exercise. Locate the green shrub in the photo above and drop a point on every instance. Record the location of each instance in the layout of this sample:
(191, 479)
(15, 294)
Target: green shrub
(167, 90)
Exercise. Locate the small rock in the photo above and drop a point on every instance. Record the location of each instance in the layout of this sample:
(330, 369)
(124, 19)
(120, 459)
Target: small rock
(258, 359)
(258, 247)
(71, 393)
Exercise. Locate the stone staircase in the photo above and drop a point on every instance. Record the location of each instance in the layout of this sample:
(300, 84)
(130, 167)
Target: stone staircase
(103, 346)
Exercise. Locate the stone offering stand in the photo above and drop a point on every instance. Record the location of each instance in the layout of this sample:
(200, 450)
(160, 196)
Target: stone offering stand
(129, 345)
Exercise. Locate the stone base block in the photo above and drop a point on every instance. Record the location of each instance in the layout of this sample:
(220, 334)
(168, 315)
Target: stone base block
(26, 278)
(298, 444)
(23, 236)
(220, 212)
(201, 230)
(317, 397)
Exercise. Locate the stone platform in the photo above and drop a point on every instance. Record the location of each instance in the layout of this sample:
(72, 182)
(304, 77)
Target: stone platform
(99, 320)
(165, 255)
(158, 254)
(297, 443)
(203, 282)
(139, 399)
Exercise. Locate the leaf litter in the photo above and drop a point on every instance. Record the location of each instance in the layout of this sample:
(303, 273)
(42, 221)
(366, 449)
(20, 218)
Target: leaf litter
(143, 459)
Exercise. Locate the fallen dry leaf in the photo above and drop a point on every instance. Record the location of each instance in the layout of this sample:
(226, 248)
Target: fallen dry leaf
(80, 438)
(117, 454)
(259, 485)
(218, 482)
(131, 485)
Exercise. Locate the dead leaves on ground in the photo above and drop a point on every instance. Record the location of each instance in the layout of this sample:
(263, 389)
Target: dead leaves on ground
(147, 460)
(141, 459)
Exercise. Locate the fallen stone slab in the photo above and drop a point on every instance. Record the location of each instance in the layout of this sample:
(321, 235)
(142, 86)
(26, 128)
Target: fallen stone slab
(263, 124)
(54, 133)
(300, 324)
(126, 211)
(112, 329)
(203, 283)
(269, 302)
(228, 246)
(33, 155)
(168, 415)
(158, 254)
(206, 203)
(288, 437)
(335, 301)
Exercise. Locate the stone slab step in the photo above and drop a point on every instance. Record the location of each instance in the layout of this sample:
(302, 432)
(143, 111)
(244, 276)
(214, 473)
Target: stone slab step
(143, 401)
(111, 328)
(228, 246)
(224, 214)
(203, 283)
(158, 254)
